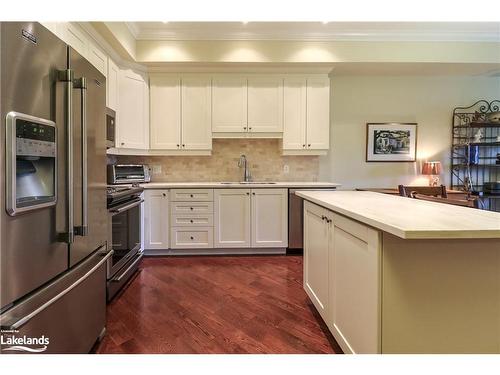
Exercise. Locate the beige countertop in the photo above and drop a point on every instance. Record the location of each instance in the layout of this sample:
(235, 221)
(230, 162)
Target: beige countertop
(215, 185)
(409, 218)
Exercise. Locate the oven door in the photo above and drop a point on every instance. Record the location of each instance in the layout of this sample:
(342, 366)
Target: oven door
(126, 234)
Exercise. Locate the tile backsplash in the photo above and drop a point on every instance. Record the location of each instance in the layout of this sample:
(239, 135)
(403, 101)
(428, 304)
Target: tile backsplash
(264, 157)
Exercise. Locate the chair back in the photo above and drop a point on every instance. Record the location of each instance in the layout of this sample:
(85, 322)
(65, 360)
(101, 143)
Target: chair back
(456, 202)
(433, 191)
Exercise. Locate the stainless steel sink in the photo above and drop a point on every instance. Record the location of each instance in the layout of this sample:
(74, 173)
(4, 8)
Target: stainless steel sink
(249, 183)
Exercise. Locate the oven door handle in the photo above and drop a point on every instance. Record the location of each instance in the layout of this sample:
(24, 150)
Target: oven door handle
(127, 207)
(119, 278)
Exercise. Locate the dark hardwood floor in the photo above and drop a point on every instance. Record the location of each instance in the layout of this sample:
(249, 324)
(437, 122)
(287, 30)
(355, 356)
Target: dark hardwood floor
(239, 304)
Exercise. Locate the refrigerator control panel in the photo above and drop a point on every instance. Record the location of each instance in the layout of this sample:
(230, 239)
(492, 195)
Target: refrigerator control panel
(31, 168)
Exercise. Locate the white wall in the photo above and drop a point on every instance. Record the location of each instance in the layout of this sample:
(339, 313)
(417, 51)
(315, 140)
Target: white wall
(428, 100)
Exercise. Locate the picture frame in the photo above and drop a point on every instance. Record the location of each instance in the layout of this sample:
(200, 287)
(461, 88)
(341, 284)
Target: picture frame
(391, 142)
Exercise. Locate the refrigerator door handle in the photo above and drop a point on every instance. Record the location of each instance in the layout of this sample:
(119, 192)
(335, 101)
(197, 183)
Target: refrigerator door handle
(66, 76)
(17, 323)
(81, 84)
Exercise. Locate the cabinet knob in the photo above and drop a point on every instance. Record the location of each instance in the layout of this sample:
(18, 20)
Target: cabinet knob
(253, 193)
(164, 194)
(245, 128)
(191, 195)
(191, 208)
(309, 145)
(183, 145)
(191, 220)
(123, 143)
(192, 237)
(250, 128)
(248, 193)
(178, 146)
(303, 145)
(323, 217)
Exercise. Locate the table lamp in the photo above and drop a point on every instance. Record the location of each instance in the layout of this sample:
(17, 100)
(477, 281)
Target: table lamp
(432, 169)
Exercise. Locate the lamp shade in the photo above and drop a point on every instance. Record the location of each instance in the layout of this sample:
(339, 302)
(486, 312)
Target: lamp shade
(431, 168)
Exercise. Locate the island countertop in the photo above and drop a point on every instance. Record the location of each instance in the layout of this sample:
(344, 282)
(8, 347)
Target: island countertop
(409, 218)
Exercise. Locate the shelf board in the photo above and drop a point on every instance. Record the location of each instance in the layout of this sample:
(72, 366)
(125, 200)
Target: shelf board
(481, 144)
(477, 165)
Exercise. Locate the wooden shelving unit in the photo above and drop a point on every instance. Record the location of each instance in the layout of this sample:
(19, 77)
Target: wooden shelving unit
(474, 163)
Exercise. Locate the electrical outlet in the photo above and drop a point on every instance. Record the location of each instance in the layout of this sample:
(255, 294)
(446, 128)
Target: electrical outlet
(286, 169)
(156, 169)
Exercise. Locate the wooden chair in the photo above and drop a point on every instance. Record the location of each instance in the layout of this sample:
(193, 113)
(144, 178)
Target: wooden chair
(456, 202)
(433, 191)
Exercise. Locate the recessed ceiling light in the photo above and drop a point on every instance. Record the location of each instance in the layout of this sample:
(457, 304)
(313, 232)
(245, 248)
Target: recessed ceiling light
(165, 21)
(325, 22)
(244, 22)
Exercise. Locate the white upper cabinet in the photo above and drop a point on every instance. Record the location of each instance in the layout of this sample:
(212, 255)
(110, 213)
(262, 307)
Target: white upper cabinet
(196, 113)
(269, 217)
(229, 105)
(265, 104)
(74, 36)
(97, 58)
(180, 112)
(133, 113)
(306, 114)
(318, 113)
(165, 98)
(294, 114)
(112, 85)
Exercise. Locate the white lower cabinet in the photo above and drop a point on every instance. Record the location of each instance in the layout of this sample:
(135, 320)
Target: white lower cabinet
(251, 218)
(269, 217)
(156, 219)
(316, 255)
(342, 277)
(232, 218)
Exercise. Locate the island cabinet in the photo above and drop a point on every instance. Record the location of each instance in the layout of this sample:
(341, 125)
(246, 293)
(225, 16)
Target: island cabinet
(383, 293)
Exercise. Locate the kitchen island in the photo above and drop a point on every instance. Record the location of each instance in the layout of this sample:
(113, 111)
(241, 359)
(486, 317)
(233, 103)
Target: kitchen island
(391, 274)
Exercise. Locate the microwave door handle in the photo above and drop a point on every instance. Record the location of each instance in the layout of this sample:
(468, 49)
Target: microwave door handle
(81, 84)
(66, 76)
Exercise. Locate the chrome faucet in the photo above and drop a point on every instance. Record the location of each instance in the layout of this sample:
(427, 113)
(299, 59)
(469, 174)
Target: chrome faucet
(244, 163)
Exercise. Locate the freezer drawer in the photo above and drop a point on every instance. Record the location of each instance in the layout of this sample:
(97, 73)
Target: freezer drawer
(70, 312)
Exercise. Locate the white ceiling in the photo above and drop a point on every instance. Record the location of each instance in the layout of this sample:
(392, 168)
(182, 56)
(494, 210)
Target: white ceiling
(356, 31)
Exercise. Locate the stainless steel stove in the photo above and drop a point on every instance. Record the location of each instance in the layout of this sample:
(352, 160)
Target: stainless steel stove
(124, 206)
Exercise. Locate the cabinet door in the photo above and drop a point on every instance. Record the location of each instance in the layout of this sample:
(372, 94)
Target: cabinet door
(132, 125)
(231, 218)
(355, 287)
(269, 217)
(74, 36)
(98, 58)
(229, 104)
(294, 114)
(265, 105)
(318, 114)
(156, 217)
(112, 85)
(165, 102)
(316, 240)
(196, 114)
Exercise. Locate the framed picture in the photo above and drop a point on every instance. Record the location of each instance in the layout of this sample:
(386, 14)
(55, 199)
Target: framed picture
(391, 142)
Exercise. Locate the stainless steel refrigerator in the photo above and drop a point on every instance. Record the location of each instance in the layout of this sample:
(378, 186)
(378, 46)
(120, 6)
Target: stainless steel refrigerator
(53, 221)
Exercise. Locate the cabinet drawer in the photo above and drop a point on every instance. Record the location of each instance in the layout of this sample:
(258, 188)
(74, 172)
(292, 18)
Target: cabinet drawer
(188, 238)
(191, 208)
(206, 220)
(192, 195)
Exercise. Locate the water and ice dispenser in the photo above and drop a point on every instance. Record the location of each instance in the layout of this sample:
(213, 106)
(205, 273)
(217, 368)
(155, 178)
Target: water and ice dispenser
(31, 163)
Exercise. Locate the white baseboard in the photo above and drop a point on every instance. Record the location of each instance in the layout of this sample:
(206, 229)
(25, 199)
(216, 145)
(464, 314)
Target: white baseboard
(240, 251)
